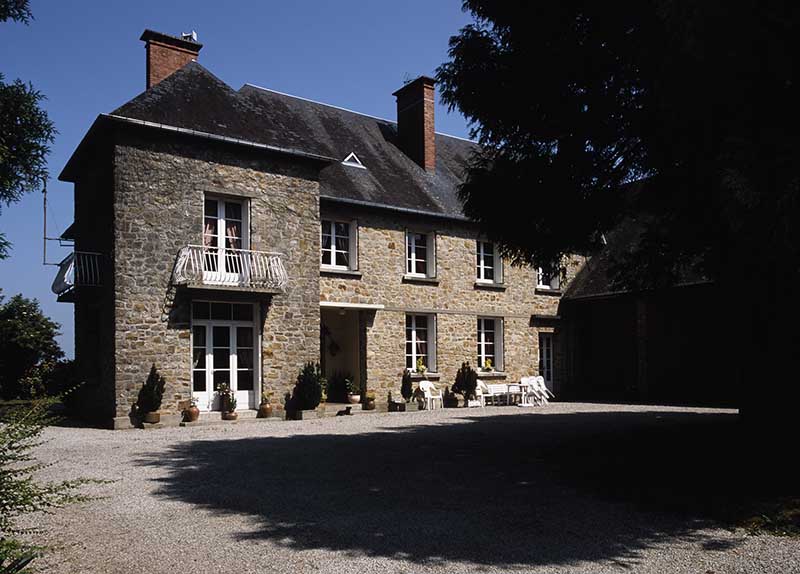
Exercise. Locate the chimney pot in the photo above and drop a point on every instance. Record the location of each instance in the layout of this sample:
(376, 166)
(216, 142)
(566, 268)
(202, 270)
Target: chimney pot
(415, 122)
(167, 54)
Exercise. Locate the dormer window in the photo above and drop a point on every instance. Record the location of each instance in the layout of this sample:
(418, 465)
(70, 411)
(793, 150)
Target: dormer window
(353, 161)
(338, 245)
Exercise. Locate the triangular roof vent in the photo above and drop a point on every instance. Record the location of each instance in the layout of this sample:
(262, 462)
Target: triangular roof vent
(353, 161)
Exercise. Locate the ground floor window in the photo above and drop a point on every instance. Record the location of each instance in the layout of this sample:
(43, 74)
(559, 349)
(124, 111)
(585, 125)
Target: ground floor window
(224, 350)
(546, 358)
(490, 343)
(420, 342)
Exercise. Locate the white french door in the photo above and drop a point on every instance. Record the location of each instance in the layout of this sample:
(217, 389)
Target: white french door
(224, 351)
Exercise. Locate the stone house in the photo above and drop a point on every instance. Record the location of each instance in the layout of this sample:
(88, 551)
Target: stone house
(231, 236)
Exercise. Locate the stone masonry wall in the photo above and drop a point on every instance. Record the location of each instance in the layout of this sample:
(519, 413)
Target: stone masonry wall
(455, 299)
(158, 206)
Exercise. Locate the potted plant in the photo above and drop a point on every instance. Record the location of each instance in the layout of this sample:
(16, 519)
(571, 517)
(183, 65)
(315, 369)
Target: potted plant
(307, 392)
(150, 395)
(265, 408)
(230, 414)
(353, 392)
(449, 399)
(466, 382)
(192, 413)
(369, 401)
(406, 389)
(487, 365)
(421, 368)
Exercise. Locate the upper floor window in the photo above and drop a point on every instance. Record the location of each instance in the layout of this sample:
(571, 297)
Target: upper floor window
(338, 244)
(490, 343)
(488, 263)
(420, 342)
(420, 254)
(225, 234)
(548, 277)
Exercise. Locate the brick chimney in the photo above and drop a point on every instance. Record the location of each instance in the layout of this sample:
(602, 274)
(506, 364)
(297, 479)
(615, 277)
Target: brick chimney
(415, 127)
(168, 54)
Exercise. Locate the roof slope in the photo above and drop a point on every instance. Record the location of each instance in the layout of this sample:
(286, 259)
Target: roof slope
(193, 98)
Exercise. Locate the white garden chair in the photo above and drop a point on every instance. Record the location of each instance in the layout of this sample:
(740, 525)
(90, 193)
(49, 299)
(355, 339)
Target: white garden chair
(431, 394)
(481, 393)
(530, 390)
(544, 392)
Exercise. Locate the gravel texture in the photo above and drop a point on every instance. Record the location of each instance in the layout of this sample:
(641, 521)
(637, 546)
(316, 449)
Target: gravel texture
(564, 488)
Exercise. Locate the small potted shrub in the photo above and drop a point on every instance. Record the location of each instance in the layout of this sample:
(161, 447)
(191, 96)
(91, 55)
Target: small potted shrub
(369, 401)
(307, 392)
(488, 366)
(406, 388)
(265, 408)
(466, 382)
(150, 395)
(449, 399)
(421, 368)
(353, 392)
(230, 414)
(192, 413)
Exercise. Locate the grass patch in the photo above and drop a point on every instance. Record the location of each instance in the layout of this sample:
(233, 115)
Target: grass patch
(780, 519)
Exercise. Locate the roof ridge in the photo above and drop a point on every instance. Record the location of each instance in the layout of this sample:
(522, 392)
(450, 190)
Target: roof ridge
(257, 87)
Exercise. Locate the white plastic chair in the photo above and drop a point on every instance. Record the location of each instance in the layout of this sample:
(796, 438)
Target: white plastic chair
(544, 392)
(498, 391)
(530, 392)
(431, 395)
(481, 392)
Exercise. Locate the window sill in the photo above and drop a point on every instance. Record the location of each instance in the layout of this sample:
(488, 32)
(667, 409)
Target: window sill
(429, 376)
(490, 286)
(333, 272)
(491, 375)
(547, 291)
(420, 279)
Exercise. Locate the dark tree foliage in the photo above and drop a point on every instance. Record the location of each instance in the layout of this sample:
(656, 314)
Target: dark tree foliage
(406, 388)
(25, 130)
(28, 348)
(466, 382)
(572, 100)
(17, 10)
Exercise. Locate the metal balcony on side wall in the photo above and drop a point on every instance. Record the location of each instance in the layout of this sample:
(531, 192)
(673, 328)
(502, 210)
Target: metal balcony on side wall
(241, 269)
(78, 269)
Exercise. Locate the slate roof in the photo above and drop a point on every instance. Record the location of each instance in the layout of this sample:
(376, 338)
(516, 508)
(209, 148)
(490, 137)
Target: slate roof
(194, 99)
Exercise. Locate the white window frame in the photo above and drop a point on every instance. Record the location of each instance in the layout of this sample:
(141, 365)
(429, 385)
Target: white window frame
(431, 341)
(481, 266)
(411, 253)
(498, 361)
(555, 278)
(221, 274)
(352, 245)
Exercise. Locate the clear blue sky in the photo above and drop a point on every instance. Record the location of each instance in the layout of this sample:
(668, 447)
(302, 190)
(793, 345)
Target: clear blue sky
(86, 57)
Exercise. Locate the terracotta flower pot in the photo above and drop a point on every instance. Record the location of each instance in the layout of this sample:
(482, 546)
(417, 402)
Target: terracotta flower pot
(230, 416)
(264, 411)
(369, 405)
(152, 418)
(192, 414)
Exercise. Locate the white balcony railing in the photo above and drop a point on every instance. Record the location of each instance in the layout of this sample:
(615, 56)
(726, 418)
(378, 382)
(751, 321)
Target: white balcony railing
(198, 265)
(78, 269)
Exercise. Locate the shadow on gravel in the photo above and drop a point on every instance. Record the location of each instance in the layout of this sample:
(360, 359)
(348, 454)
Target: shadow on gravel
(497, 490)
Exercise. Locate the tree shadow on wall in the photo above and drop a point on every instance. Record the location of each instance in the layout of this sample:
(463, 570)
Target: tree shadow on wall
(513, 490)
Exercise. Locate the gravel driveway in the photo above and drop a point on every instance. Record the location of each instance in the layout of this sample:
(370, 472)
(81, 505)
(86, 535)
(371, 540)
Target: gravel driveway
(565, 488)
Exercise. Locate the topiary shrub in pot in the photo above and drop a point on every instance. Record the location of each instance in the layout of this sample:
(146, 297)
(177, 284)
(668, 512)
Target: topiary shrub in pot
(307, 392)
(466, 382)
(406, 388)
(149, 400)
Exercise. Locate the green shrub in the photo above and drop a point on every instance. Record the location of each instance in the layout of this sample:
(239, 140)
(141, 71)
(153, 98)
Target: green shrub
(151, 393)
(466, 382)
(406, 389)
(20, 492)
(308, 390)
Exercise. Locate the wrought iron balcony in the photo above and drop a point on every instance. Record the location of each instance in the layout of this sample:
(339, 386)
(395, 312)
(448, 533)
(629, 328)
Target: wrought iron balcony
(78, 269)
(214, 267)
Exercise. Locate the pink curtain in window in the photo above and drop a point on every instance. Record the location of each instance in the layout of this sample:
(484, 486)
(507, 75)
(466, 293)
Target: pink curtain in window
(234, 236)
(208, 235)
